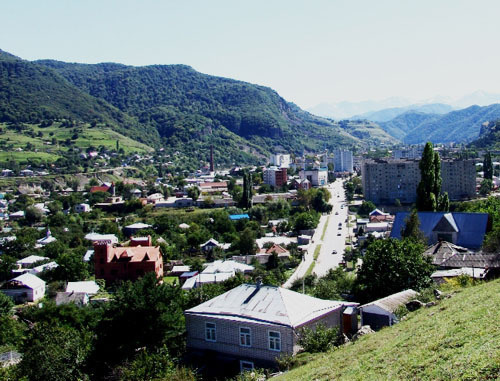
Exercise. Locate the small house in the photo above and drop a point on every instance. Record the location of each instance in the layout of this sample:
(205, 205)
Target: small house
(381, 313)
(25, 288)
(82, 208)
(253, 325)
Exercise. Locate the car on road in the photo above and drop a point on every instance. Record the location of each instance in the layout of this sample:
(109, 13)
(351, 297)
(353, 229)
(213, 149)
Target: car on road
(334, 252)
(338, 233)
(336, 213)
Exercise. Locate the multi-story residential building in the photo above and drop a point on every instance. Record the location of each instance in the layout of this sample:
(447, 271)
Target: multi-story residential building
(385, 180)
(316, 176)
(128, 262)
(253, 325)
(280, 160)
(343, 161)
(275, 176)
(409, 153)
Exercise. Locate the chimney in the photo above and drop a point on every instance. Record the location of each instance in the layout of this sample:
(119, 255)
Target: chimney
(258, 282)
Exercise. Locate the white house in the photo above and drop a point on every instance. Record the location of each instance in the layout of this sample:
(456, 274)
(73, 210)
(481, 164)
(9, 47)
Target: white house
(25, 288)
(82, 208)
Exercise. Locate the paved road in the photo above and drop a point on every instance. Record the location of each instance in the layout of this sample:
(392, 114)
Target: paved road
(331, 241)
(336, 225)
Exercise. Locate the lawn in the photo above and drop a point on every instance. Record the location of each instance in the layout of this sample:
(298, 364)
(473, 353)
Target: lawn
(458, 339)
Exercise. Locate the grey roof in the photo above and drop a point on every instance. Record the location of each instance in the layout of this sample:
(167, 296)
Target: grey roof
(267, 304)
(481, 260)
(79, 298)
(443, 250)
(470, 227)
(392, 302)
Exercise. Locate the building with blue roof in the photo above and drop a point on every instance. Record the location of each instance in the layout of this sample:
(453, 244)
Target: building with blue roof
(463, 229)
(235, 217)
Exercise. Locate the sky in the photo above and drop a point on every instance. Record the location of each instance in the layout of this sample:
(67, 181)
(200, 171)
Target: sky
(310, 52)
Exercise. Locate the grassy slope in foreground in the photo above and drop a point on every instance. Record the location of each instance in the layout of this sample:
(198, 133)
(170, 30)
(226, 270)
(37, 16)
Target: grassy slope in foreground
(459, 339)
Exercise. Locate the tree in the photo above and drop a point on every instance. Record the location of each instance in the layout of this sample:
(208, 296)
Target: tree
(153, 310)
(246, 197)
(488, 167)
(54, 353)
(319, 339)
(486, 187)
(6, 304)
(429, 188)
(390, 266)
(444, 202)
(412, 228)
(32, 215)
(246, 242)
(365, 208)
(194, 193)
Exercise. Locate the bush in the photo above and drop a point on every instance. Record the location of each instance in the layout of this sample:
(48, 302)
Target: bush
(320, 339)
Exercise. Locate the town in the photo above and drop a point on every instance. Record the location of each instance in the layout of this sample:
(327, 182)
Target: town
(239, 266)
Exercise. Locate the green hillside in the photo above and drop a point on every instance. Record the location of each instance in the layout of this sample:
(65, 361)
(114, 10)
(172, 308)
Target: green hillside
(36, 143)
(172, 106)
(185, 106)
(458, 339)
(30, 93)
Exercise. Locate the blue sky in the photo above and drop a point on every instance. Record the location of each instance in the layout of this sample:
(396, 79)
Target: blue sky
(309, 51)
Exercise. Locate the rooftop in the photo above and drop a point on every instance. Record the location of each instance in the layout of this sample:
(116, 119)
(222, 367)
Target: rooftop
(269, 304)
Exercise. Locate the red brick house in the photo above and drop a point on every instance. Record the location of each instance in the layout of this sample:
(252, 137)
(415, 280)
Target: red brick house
(127, 262)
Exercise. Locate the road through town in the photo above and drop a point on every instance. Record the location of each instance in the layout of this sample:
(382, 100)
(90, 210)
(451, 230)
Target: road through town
(333, 239)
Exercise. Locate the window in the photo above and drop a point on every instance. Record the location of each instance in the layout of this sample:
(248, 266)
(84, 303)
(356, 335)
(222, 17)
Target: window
(274, 341)
(246, 366)
(210, 332)
(245, 337)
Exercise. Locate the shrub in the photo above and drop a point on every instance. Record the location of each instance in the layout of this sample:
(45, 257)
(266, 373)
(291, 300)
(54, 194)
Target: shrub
(320, 339)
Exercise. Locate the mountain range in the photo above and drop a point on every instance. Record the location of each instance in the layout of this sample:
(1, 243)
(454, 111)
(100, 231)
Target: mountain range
(456, 126)
(386, 109)
(172, 106)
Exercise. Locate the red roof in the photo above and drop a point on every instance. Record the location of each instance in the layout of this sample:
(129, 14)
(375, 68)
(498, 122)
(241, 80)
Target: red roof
(276, 249)
(136, 253)
(103, 188)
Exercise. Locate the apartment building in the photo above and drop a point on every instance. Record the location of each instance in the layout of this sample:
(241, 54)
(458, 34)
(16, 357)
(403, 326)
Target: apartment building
(385, 180)
(343, 161)
(275, 176)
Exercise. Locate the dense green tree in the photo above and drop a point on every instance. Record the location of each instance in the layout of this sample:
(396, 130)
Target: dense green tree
(488, 167)
(305, 220)
(391, 266)
(365, 208)
(444, 202)
(153, 310)
(6, 304)
(194, 193)
(33, 215)
(55, 353)
(486, 187)
(412, 228)
(429, 188)
(246, 242)
(246, 197)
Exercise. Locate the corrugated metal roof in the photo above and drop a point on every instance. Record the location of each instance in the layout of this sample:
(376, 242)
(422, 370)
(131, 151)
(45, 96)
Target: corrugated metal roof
(392, 302)
(29, 280)
(267, 304)
(471, 226)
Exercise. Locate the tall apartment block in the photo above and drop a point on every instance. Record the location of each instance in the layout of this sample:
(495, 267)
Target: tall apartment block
(343, 161)
(385, 180)
(275, 176)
